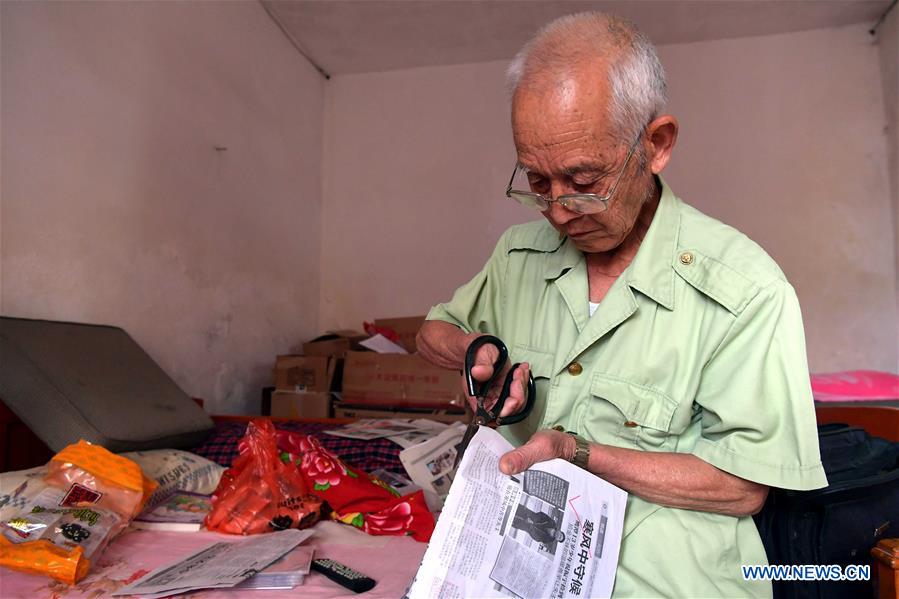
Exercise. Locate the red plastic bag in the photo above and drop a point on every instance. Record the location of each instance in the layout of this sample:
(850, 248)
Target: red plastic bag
(259, 493)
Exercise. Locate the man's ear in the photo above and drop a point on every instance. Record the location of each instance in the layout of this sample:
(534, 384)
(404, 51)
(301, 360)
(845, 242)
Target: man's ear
(661, 134)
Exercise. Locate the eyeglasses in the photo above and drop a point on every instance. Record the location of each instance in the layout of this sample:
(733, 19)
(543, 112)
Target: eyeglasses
(582, 203)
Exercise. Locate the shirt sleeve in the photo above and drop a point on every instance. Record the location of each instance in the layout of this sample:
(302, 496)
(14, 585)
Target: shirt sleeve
(758, 416)
(476, 305)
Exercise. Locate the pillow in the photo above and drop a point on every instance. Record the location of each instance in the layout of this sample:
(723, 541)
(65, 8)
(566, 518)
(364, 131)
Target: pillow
(176, 470)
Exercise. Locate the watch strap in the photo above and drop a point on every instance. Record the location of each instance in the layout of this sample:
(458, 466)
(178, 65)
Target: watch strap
(581, 455)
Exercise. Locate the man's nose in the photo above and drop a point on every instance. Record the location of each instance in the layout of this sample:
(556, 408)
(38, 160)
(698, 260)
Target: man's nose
(559, 213)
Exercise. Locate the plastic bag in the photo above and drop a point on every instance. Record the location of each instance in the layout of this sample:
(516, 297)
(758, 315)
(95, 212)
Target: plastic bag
(259, 493)
(90, 497)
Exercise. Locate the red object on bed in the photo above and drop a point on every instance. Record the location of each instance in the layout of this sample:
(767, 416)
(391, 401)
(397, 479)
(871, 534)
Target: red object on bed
(260, 493)
(355, 497)
(855, 385)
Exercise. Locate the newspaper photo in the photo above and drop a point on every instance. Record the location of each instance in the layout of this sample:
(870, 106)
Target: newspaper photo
(400, 484)
(220, 565)
(551, 531)
(430, 464)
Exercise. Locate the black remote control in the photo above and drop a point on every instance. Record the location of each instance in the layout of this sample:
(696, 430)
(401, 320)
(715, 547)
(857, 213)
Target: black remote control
(343, 575)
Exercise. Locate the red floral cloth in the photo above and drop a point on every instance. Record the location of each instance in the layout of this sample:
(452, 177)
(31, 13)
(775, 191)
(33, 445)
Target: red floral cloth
(356, 498)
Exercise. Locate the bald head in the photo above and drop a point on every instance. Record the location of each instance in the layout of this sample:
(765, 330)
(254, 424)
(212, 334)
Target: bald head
(595, 49)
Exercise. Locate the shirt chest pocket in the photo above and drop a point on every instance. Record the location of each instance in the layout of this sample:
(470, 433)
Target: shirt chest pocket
(627, 414)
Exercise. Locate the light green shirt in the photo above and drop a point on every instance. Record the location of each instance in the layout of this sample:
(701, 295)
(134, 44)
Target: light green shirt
(697, 348)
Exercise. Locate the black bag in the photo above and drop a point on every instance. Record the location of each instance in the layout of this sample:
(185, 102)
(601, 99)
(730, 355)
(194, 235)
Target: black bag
(840, 523)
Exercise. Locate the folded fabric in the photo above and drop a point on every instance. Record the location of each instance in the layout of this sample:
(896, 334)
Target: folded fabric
(355, 498)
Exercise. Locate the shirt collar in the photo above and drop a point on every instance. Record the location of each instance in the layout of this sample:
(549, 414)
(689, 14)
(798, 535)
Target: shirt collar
(651, 272)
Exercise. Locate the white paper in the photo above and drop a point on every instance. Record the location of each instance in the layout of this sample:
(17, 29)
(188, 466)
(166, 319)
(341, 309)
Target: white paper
(367, 430)
(430, 464)
(220, 565)
(551, 531)
(382, 345)
(286, 573)
(428, 429)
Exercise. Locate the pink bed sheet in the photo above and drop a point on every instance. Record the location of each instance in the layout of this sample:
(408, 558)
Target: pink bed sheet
(391, 561)
(855, 385)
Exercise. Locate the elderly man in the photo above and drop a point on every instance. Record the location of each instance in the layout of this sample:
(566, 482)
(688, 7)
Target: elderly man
(667, 344)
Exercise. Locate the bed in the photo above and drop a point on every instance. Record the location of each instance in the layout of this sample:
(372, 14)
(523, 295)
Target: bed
(390, 560)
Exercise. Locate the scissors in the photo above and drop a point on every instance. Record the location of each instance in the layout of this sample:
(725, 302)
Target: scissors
(479, 390)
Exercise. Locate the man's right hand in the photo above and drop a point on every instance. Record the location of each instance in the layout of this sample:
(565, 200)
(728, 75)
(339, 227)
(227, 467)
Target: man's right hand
(482, 370)
(444, 344)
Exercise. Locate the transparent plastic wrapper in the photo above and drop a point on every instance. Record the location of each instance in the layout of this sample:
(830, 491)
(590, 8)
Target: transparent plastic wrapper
(259, 493)
(90, 497)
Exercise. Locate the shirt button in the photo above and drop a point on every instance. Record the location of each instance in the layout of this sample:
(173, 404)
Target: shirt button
(686, 258)
(575, 369)
(630, 423)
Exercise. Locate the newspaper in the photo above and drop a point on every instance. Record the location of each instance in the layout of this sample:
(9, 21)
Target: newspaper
(400, 484)
(428, 429)
(220, 565)
(402, 432)
(430, 464)
(286, 573)
(551, 531)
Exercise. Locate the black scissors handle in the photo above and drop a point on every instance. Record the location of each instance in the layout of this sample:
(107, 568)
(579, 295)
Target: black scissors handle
(479, 390)
(530, 395)
(475, 388)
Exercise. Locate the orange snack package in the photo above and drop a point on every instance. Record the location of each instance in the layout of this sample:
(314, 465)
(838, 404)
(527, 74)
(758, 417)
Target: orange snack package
(91, 496)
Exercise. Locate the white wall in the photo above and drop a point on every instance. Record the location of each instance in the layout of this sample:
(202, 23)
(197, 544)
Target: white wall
(888, 44)
(782, 137)
(116, 206)
(416, 164)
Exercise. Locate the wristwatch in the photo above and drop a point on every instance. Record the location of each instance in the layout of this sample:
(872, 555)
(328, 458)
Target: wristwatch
(581, 452)
(581, 448)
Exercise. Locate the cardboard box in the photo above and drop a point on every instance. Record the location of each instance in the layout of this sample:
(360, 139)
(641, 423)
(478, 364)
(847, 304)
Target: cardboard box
(344, 410)
(286, 404)
(334, 343)
(303, 373)
(400, 380)
(406, 327)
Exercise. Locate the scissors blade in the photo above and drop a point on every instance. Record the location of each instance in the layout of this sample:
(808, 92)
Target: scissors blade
(463, 445)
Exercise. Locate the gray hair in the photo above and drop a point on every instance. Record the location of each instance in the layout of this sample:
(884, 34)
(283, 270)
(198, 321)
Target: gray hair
(636, 77)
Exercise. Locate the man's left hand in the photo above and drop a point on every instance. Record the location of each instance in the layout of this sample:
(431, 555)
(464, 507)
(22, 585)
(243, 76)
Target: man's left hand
(544, 445)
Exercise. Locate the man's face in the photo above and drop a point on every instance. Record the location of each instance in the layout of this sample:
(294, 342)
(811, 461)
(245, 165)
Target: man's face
(565, 141)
